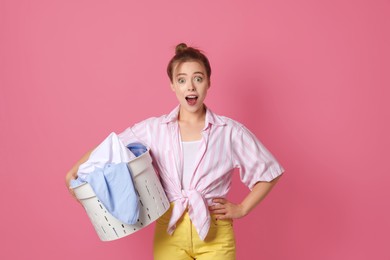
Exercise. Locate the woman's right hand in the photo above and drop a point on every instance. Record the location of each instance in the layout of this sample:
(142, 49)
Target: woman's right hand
(71, 175)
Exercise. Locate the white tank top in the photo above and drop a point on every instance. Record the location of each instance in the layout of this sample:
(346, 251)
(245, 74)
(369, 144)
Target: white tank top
(190, 150)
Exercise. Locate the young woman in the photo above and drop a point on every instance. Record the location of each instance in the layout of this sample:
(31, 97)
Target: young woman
(195, 152)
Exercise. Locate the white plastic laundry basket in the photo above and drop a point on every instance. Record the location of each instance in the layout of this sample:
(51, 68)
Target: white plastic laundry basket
(152, 201)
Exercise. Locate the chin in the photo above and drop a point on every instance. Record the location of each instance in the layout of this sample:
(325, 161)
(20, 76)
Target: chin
(193, 109)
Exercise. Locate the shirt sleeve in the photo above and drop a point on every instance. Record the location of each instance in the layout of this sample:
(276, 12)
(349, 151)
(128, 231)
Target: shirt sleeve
(137, 133)
(254, 161)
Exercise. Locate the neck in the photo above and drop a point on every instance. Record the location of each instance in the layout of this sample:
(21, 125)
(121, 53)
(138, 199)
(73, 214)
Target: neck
(192, 117)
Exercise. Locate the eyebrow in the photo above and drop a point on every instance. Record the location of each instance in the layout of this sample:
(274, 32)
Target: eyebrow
(185, 74)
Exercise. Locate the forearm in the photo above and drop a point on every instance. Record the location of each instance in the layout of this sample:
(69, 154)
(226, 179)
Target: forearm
(258, 193)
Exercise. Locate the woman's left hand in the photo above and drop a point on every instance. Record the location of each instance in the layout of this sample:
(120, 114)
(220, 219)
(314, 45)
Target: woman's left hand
(224, 209)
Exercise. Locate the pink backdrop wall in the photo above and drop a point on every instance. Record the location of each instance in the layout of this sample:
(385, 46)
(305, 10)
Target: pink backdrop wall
(309, 78)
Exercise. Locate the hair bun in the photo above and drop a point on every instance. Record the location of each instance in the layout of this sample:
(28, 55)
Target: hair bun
(180, 47)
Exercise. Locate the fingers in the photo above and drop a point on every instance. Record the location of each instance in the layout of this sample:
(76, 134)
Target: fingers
(222, 214)
(73, 194)
(217, 207)
(71, 191)
(220, 206)
(223, 209)
(218, 211)
(220, 200)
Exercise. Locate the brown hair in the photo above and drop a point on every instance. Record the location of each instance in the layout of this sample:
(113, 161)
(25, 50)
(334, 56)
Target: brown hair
(183, 54)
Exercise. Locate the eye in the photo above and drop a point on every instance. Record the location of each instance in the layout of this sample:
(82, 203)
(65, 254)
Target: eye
(181, 80)
(198, 79)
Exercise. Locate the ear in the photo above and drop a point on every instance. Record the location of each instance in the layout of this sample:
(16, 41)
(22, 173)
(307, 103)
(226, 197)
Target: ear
(172, 87)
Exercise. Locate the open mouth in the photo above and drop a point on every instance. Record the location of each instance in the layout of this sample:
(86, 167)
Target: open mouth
(191, 100)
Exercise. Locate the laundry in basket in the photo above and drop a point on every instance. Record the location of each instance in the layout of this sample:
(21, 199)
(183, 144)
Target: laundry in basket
(107, 173)
(145, 199)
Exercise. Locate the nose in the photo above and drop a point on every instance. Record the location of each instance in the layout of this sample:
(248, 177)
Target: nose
(191, 86)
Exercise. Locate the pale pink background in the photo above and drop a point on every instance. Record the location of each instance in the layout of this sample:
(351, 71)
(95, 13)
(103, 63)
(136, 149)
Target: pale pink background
(309, 78)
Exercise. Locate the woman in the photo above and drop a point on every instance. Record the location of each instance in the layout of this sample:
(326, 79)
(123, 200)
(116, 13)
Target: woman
(195, 152)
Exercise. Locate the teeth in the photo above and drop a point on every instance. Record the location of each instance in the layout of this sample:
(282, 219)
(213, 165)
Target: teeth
(190, 96)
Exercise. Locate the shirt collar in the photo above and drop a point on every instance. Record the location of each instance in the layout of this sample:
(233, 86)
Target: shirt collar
(211, 118)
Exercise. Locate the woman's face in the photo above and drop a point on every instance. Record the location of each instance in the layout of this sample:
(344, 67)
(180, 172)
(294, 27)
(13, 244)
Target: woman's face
(190, 83)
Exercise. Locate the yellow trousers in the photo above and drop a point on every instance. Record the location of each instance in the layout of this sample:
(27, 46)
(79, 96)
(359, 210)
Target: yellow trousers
(185, 244)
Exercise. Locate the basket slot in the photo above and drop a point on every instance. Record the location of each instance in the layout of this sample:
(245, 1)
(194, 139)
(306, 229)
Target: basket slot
(115, 232)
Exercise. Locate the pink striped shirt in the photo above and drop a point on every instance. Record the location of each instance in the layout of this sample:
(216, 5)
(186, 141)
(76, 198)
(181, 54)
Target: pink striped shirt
(225, 145)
